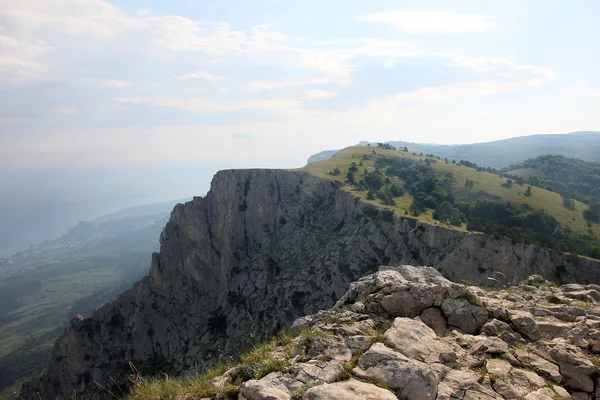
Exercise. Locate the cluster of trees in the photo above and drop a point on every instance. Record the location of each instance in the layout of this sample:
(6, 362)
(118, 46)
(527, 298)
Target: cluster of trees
(570, 177)
(477, 167)
(520, 223)
(592, 214)
(377, 185)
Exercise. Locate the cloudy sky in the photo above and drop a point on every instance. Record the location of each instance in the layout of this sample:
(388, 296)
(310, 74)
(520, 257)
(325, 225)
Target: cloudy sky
(266, 82)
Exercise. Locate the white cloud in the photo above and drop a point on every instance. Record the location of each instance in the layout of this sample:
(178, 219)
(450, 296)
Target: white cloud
(20, 61)
(200, 75)
(109, 83)
(78, 18)
(431, 22)
(208, 105)
(65, 110)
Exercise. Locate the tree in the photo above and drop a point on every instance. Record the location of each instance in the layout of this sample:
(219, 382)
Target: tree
(569, 204)
(336, 171)
(396, 190)
(455, 218)
(508, 184)
(416, 208)
(528, 191)
(350, 177)
(444, 211)
(469, 184)
(592, 214)
(374, 181)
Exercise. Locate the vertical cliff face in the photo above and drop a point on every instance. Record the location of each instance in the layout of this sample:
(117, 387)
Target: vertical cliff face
(261, 249)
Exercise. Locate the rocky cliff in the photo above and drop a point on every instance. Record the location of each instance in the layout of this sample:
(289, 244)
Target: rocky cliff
(263, 248)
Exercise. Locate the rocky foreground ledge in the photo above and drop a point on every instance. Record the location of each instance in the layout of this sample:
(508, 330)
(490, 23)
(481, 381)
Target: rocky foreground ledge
(406, 332)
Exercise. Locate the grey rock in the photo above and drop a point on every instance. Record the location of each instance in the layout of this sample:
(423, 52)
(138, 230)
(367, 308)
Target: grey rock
(416, 340)
(458, 384)
(434, 318)
(540, 364)
(525, 324)
(412, 378)
(268, 388)
(561, 392)
(463, 315)
(574, 367)
(541, 394)
(503, 331)
(580, 396)
(534, 280)
(348, 390)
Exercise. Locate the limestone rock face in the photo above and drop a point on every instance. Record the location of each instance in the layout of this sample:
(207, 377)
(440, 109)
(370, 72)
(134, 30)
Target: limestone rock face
(265, 247)
(502, 360)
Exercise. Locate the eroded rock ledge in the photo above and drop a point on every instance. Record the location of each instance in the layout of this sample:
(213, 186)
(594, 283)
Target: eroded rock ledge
(409, 333)
(263, 248)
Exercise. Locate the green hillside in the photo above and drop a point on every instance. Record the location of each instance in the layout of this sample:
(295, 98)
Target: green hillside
(480, 198)
(571, 177)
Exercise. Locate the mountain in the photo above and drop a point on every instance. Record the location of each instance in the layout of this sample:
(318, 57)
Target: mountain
(407, 333)
(43, 287)
(463, 196)
(324, 155)
(263, 248)
(571, 177)
(503, 153)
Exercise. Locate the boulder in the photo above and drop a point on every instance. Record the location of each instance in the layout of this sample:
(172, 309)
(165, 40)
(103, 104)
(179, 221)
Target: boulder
(348, 390)
(525, 324)
(574, 367)
(416, 340)
(268, 388)
(502, 330)
(463, 315)
(540, 364)
(413, 379)
(434, 318)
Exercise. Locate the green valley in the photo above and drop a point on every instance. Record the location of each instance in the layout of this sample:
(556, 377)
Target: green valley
(47, 285)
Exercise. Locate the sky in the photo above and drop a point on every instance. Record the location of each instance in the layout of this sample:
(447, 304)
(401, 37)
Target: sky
(268, 83)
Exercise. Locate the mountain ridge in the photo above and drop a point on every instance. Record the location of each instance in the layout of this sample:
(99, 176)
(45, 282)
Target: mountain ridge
(261, 249)
(584, 145)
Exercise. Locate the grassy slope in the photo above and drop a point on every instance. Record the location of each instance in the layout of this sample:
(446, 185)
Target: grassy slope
(541, 198)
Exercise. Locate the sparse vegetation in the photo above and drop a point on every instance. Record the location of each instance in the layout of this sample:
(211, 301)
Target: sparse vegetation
(254, 364)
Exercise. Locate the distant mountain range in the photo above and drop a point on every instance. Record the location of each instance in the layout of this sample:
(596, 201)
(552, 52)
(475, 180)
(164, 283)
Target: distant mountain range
(503, 153)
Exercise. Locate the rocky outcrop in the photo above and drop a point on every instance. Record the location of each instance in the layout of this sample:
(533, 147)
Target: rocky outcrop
(263, 248)
(392, 357)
